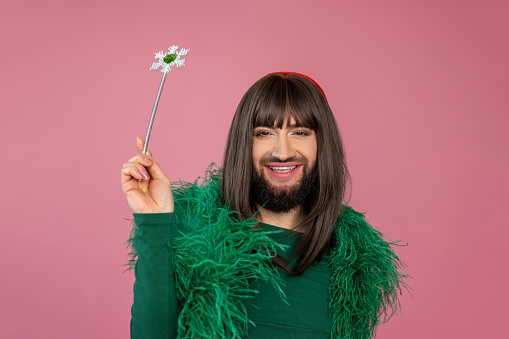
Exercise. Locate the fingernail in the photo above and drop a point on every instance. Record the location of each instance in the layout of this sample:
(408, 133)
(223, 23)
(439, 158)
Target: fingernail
(148, 160)
(145, 175)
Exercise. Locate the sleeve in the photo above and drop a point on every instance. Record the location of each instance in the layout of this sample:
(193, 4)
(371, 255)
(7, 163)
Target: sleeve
(155, 310)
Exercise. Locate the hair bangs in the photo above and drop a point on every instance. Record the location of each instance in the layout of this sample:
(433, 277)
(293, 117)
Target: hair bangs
(282, 98)
(300, 103)
(270, 108)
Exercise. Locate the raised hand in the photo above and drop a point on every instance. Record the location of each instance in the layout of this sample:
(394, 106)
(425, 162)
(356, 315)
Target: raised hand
(144, 185)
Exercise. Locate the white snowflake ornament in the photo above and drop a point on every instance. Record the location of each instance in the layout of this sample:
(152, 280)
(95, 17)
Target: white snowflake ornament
(169, 59)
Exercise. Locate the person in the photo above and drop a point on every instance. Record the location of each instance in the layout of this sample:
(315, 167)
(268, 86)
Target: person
(265, 246)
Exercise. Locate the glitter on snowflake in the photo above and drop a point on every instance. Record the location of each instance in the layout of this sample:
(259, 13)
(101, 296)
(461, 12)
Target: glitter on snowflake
(169, 59)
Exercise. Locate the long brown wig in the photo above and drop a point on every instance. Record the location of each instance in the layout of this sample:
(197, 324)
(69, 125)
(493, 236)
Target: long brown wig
(271, 101)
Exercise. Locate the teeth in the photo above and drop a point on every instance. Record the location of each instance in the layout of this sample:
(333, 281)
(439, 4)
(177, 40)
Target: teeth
(283, 169)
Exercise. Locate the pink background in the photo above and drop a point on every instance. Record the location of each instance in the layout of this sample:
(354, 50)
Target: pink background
(419, 89)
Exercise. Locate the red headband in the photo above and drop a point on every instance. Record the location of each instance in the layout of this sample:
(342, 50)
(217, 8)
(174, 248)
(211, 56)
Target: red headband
(305, 76)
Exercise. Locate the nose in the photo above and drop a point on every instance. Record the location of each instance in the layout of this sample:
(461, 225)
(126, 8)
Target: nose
(283, 149)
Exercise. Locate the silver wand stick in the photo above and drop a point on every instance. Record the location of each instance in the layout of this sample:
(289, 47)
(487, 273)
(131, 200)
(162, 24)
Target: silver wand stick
(151, 122)
(165, 61)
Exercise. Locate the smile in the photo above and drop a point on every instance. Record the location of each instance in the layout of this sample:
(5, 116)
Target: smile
(282, 169)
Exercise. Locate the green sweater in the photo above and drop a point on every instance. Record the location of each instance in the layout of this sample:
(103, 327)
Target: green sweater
(155, 308)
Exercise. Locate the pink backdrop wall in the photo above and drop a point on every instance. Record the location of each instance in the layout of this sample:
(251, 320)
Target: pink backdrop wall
(419, 89)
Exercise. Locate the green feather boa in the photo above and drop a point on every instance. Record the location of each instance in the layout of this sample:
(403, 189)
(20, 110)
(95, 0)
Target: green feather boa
(216, 258)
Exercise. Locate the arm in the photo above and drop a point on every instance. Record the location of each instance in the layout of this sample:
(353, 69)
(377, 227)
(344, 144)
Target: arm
(148, 193)
(155, 309)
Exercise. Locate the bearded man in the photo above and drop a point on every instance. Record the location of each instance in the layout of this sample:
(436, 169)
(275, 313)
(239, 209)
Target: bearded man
(264, 247)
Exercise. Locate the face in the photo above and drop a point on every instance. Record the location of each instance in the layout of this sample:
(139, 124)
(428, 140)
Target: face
(282, 157)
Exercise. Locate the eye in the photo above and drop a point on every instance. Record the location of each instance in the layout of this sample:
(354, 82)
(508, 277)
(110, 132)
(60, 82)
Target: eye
(262, 133)
(300, 133)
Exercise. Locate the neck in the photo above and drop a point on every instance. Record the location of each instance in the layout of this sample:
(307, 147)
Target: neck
(288, 220)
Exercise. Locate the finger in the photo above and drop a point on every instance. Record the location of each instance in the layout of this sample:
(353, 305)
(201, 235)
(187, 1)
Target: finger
(139, 144)
(134, 170)
(150, 164)
(153, 168)
(131, 183)
(142, 159)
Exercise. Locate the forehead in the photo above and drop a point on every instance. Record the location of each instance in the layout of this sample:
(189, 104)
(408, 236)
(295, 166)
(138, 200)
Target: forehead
(292, 121)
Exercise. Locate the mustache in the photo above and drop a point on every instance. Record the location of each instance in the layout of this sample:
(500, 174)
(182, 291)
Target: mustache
(268, 159)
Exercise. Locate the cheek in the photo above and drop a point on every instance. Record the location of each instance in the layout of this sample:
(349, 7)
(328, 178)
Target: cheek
(311, 151)
(260, 149)
(257, 152)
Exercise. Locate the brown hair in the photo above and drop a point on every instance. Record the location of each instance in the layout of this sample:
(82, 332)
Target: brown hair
(266, 103)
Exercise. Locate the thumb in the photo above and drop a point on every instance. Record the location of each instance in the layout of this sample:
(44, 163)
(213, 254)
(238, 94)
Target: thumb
(139, 144)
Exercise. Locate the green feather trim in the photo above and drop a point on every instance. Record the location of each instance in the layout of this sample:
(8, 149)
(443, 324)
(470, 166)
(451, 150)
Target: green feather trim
(216, 259)
(366, 278)
(132, 255)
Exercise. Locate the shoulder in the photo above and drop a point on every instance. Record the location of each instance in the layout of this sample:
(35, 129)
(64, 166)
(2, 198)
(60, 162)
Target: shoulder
(352, 220)
(207, 187)
(200, 211)
(352, 231)
(348, 214)
(198, 199)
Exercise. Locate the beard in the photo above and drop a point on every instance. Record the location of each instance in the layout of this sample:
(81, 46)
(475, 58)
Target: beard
(282, 199)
